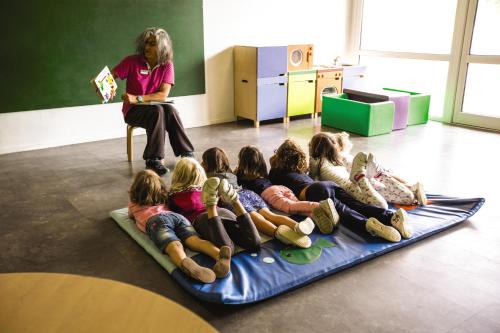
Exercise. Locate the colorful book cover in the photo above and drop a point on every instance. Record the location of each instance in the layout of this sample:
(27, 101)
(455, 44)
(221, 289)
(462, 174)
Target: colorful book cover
(105, 84)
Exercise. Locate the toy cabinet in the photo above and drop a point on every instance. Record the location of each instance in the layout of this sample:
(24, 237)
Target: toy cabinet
(260, 82)
(328, 82)
(301, 93)
(300, 57)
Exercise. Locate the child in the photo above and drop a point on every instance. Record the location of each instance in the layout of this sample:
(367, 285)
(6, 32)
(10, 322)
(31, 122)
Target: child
(289, 167)
(327, 163)
(252, 174)
(169, 230)
(392, 188)
(195, 197)
(216, 164)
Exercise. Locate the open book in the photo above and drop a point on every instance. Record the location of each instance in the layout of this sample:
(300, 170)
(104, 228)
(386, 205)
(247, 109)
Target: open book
(105, 84)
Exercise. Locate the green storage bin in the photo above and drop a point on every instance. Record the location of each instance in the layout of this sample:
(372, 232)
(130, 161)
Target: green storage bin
(366, 119)
(418, 107)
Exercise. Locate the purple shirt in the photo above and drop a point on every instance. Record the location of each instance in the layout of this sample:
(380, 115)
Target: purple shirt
(141, 79)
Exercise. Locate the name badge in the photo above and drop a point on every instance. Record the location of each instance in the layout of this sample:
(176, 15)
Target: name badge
(144, 71)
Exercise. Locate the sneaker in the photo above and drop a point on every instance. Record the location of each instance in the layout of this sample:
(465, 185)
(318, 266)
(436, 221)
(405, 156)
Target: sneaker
(376, 228)
(358, 166)
(329, 208)
(372, 167)
(157, 166)
(188, 154)
(399, 221)
(418, 190)
(223, 266)
(322, 221)
(304, 227)
(286, 235)
(209, 194)
(197, 272)
(227, 191)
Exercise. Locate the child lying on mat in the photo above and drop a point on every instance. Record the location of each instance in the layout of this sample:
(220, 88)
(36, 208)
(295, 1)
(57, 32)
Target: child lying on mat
(216, 164)
(289, 168)
(195, 197)
(168, 230)
(361, 176)
(252, 174)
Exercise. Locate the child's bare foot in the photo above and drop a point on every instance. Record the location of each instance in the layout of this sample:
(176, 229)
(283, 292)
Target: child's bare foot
(223, 266)
(197, 272)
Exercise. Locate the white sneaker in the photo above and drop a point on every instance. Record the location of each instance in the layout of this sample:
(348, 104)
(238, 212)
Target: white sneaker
(372, 167)
(376, 228)
(329, 208)
(286, 235)
(209, 194)
(399, 221)
(358, 166)
(418, 190)
(227, 191)
(304, 227)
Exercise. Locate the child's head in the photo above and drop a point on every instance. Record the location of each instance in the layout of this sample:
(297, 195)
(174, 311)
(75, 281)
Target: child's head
(251, 163)
(290, 157)
(187, 173)
(148, 189)
(215, 160)
(325, 145)
(343, 141)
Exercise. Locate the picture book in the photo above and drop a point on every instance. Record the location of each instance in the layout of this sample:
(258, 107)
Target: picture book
(105, 84)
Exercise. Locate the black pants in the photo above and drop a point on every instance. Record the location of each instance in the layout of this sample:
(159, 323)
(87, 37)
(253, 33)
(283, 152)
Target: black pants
(156, 119)
(353, 213)
(228, 228)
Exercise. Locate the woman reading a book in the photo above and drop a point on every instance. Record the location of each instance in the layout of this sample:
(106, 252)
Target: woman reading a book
(150, 75)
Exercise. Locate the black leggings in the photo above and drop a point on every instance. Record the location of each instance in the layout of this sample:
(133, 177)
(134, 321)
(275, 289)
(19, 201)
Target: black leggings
(226, 228)
(353, 213)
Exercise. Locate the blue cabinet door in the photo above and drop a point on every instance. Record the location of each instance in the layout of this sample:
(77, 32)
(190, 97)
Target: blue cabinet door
(271, 98)
(271, 61)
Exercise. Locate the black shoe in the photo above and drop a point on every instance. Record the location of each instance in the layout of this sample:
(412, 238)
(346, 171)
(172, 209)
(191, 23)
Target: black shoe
(187, 154)
(157, 166)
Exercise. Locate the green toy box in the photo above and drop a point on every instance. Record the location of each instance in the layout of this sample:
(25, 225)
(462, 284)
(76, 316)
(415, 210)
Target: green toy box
(368, 119)
(418, 107)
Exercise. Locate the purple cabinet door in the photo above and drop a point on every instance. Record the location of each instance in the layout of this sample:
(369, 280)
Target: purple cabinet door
(271, 98)
(271, 61)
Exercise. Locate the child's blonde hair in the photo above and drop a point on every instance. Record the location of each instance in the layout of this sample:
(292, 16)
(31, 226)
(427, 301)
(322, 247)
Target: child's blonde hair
(215, 160)
(148, 189)
(188, 173)
(343, 141)
(251, 163)
(325, 146)
(290, 157)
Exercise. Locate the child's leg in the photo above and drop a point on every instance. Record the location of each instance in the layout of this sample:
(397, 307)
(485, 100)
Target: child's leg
(393, 190)
(367, 193)
(276, 219)
(282, 198)
(263, 225)
(222, 256)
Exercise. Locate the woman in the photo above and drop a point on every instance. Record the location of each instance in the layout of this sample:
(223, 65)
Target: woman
(150, 75)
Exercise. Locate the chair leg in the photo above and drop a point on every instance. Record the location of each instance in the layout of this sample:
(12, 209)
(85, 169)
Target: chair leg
(130, 130)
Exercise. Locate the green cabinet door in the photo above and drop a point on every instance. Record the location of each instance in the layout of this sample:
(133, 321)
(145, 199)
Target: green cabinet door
(301, 97)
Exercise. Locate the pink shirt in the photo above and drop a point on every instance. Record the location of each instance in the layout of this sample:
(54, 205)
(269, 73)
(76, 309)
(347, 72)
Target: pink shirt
(141, 214)
(141, 79)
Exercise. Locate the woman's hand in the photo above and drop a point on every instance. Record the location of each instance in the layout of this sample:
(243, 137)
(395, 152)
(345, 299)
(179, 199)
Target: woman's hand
(129, 98)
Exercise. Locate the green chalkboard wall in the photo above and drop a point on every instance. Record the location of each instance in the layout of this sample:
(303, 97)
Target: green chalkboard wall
(52, 48)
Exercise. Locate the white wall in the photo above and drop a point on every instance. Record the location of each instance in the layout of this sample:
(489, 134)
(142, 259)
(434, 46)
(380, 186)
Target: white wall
(226, 23)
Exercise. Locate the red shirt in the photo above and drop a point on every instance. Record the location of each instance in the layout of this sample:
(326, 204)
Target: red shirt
(141, 79)
(187, 203)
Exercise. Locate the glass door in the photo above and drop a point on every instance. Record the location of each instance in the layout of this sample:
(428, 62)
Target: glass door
(478, 90)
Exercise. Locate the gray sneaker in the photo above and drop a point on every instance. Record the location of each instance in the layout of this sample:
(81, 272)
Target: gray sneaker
(209, 194)
(227, 191)
(376, 228)
(322, 221)
(358, 166)
(329, 208)
(399, 221)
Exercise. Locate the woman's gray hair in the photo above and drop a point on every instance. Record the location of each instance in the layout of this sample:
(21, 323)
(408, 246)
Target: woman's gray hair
(163, 41)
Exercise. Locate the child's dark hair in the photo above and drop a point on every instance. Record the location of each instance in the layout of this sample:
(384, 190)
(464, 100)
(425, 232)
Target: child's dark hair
(325, 146)
(148, 189)
(290, 157)
(215, 160)
(251, 163)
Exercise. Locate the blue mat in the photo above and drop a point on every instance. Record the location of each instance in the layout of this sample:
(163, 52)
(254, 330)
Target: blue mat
(257, 276)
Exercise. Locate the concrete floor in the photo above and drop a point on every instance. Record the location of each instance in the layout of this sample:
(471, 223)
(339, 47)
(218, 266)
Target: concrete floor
(54, 217)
